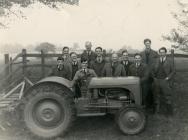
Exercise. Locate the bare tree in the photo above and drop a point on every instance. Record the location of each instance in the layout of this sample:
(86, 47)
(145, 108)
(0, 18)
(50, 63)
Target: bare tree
(179, 37)
(6, 5)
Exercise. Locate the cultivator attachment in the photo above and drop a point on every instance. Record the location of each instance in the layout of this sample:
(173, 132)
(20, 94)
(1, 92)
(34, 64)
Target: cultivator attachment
(13, 93)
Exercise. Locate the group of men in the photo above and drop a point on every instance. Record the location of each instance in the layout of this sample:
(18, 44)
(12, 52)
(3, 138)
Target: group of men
(154, 69)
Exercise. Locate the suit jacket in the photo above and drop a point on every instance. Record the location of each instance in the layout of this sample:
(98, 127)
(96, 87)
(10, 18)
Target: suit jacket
(67, 58)
(126, 67)
(168, 68)
(97, 67)
(81, 76)
(90, 57)
(152, 57)
(118, 71)
(74, 69)
(142, 72)
(65, 72)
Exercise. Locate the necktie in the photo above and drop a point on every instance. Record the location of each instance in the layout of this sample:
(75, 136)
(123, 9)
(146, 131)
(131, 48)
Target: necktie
(162, 60)
(137, 65)
(88, 53)
(147, 57)
(60, 67)
(99, 60)
(85, 70)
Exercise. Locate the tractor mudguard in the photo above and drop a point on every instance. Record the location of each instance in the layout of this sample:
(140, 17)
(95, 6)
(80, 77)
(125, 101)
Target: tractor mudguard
(52, 79)
(56, 79)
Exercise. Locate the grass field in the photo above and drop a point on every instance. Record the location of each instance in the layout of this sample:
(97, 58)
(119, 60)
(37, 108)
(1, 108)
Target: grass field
(104, 128)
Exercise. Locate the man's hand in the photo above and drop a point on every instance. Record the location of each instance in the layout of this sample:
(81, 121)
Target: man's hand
(166, 78)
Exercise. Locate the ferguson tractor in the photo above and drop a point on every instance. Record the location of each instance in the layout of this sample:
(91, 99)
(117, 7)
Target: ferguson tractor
(51, 107)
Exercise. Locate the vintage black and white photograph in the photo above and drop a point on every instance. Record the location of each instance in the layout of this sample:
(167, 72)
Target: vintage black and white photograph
(93, 69)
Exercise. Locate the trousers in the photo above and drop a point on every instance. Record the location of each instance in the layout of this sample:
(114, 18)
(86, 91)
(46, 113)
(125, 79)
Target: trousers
(162, 92)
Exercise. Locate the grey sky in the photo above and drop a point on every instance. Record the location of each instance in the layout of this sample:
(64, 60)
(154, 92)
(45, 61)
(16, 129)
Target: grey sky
(108, 23)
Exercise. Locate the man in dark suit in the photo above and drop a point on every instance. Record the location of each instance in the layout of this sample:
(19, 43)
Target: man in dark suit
(75, 66)
(88, 53)
(163, 71)
(99, 62)
(63, 69)
(113, 69)
(125, 61)
(66, 55)
(140, 70)
(149, 57)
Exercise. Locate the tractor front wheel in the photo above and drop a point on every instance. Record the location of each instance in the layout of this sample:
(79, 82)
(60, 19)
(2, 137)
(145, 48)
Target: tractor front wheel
(131, 119)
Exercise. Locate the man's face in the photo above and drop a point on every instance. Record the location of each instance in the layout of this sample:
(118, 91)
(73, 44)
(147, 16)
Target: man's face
(84, 65)
(98, 52)
(88, 46)
(138, 59)
(162, 53)
(125, 56)
(147, 45)
(66, 51)
(114, 58)
(59, 62)
(74, 57)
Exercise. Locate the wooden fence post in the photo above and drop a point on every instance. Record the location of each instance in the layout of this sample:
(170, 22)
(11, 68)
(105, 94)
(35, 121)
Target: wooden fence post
(42, 64)
(173, 64)
(10, 68)
(24, 61)
(172, 55)
(6, 63)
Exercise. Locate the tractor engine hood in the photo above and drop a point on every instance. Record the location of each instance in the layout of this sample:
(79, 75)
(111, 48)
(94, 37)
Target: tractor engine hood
(109, 82)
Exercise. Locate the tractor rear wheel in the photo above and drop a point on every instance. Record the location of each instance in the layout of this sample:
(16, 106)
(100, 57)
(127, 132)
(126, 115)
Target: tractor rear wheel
(131, 119)
(49, 113)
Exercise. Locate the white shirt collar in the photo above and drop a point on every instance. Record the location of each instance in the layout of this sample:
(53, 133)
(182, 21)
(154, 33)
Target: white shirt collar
(163, 59)
(138, 64)
(74, 62)
(125, 62)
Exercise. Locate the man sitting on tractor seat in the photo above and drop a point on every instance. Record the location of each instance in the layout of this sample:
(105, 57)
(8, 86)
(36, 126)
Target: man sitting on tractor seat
(83, 77)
